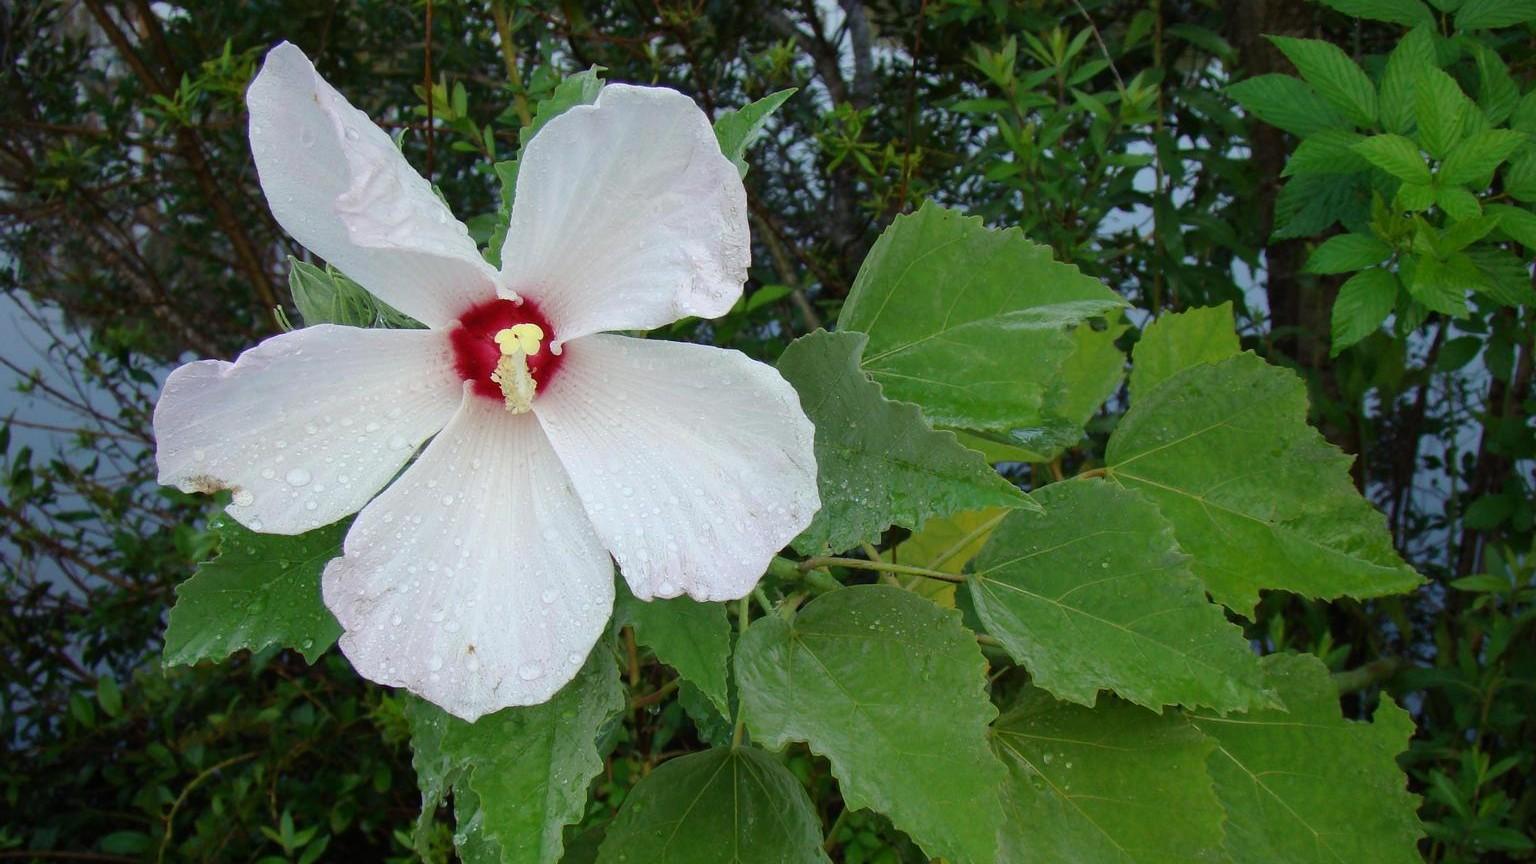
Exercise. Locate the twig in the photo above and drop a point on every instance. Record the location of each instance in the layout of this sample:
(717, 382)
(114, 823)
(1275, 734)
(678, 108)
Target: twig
(431, 93)
(879, 566)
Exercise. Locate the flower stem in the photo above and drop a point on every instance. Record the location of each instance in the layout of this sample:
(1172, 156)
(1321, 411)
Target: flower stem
(742, 608)
(659, 694)
(880, 566)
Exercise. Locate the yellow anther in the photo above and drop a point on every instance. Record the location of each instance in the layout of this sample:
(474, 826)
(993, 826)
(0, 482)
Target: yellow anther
(525, 337)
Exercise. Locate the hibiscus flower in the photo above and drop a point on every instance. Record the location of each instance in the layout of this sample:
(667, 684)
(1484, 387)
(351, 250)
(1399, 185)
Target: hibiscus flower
(480, 577)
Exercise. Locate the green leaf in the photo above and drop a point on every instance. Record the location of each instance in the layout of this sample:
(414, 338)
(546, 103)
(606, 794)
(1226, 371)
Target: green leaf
(1442, 111)
(1345, 253)
(1176, 341)
(262, 589)
(1286, 103)
(1442, 285)
(1333, 75)
(1303, 785)
(692, 637)
(1331, 151)
(1415, 52)
(946, 543)
(1254, 494)
(108, 696)
(1414, 197)
(1507, 277)
(527, 768)
(980, 352)
(737, 130)
(1409, 13)
(1474, 160)
(325, 296)
(1458, 203)
(583, 848)
(1095, 594)
(1523, 118)
(1395, 155)
(1110, 785)
(1497, 92)
(1363, 303)
(878, 462)
(1489, 14)
(996, 448)
(727, 804)
(127, 843)
(1517, 223)
(870, 671)
(1520, 177)
(1090, 375)
(1462, 234)
(1309, 205)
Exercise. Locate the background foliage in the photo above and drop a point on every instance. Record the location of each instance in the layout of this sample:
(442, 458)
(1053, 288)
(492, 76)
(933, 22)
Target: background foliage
(1167, 147)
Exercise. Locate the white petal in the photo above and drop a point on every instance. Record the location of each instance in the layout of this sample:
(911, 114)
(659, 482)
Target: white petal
(474, 580)
(306, 426)
(695, 463)
(627, 216)
(339, 185)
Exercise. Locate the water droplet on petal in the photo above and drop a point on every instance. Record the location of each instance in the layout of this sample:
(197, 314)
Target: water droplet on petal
(297, 477)
(529, 671)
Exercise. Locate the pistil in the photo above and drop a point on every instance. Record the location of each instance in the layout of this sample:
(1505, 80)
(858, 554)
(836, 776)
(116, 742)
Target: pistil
(517, 344)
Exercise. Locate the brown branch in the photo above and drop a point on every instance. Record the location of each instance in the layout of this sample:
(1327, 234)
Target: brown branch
(191, 150)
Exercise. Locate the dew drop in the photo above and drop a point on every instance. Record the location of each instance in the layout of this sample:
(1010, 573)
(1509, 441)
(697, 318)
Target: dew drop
(297, 477)
(243, 498)
(529, 671)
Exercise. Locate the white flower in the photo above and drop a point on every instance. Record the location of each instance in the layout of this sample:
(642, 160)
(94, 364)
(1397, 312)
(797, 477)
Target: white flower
(481, 577)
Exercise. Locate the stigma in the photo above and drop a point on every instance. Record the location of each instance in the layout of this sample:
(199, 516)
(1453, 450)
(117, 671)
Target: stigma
(517, 344)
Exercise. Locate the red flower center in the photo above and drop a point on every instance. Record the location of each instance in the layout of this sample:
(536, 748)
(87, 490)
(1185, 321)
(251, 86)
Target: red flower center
(475, 352)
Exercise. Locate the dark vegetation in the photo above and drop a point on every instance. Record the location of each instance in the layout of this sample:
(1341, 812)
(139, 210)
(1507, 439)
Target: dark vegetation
(133, 233)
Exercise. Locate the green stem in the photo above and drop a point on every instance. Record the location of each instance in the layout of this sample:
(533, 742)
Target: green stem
(657, 695)
(762, 601)
(880, 566)
(743, 606)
